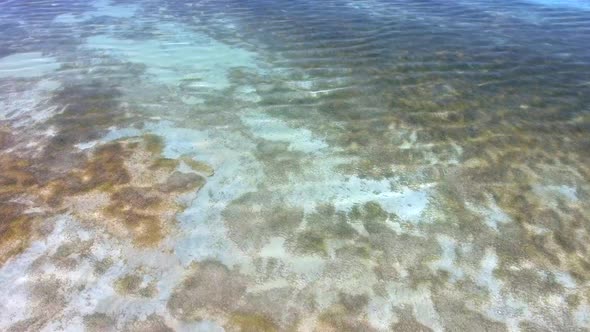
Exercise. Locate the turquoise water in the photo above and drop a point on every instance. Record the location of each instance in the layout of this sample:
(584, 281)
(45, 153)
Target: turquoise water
(297, 165)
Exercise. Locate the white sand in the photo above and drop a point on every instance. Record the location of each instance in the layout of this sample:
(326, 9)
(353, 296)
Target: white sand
(27, 65)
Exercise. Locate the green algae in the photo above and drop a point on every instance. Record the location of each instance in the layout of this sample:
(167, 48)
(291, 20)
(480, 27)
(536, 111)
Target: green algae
(372, 215)
(330, 223)
(246, 322)
(198, 166)
(182, 182)
(69, 254)
(131, 284)
(308, 242)
(154, 143)
(102, 266)
(164, 163)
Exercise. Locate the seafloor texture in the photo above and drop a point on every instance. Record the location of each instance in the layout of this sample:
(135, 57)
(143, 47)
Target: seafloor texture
(295, 165)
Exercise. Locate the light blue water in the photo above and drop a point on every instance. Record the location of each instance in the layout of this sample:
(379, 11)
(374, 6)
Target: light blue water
(299, 165)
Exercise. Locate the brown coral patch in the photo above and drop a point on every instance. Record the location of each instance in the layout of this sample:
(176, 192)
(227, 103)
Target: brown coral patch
(152, 323)
(106, 168)
(99, 322)
(346, 315)
(17, 225)
(5, 138)
(182, 182)
(118, 187)
(89, 109)
(69, 254)
(15, 230)
(261, 216)
(198, 166)
(47, 300)
(209, 290)
(134, 285)
(407, 322)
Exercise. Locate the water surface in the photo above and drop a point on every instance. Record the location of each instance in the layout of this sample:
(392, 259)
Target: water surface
(303, 165)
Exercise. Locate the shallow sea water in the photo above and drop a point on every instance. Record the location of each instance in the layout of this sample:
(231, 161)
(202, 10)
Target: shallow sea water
(374, 165)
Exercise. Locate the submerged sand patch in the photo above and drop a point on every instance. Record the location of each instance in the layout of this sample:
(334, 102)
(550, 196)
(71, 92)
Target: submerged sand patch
(27, 65)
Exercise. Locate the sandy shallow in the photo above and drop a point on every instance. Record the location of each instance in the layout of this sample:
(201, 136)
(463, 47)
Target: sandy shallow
(220, 166)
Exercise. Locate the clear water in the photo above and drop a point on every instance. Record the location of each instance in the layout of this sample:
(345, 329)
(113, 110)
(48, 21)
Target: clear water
(295, 165)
